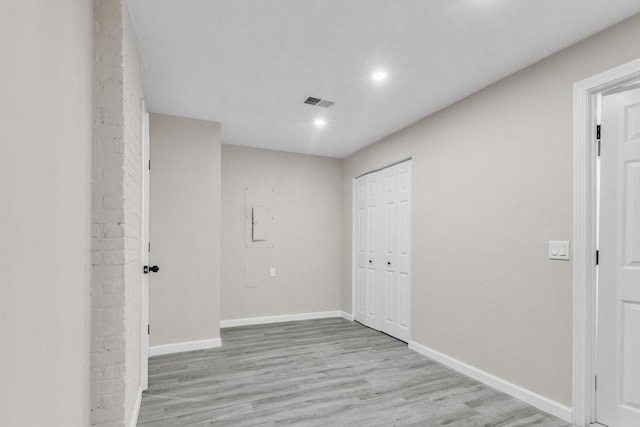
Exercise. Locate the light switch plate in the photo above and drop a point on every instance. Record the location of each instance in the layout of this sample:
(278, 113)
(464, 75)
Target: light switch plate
(272, 272)
(559, 249)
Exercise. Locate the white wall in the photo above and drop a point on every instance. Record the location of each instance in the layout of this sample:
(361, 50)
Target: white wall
(116, 203)
(491, 184)
(45, 143)
(133, 92)
(306, 233)
(185, 229)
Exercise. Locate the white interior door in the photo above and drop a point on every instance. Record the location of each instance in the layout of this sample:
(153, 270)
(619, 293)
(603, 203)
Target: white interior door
(145, 247)
(382, 250)
(390, 249)
(360, 275)
(403, 255)
(618, 367)
(396, 244)
(372, 248)
(367, 247)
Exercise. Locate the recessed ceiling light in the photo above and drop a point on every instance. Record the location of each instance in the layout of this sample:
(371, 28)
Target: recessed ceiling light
(319, 122)
(379, 75)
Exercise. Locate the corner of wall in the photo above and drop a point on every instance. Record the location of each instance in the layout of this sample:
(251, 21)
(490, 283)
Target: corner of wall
(133, 93)
(116, 203)
(298, 189)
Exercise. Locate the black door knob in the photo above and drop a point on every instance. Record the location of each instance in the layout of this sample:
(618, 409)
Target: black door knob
(146, 269)
(370, 261)
(388, 262)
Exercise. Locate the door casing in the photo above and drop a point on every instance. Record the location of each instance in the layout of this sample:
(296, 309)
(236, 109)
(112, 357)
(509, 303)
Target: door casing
(144, 248)
(585, 217)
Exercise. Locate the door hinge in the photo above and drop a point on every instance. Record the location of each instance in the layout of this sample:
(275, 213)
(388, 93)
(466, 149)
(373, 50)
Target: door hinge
(599, 142)
(596, 382)
(148, 329)
(597, 257)
(149, 247)
(150, 160)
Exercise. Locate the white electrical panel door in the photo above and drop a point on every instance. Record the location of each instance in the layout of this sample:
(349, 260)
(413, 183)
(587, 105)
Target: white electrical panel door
(259, 218)
(259, 224)
(618, 367)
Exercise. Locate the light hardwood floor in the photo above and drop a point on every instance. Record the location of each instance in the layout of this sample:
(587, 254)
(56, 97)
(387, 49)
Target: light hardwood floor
(328, 372)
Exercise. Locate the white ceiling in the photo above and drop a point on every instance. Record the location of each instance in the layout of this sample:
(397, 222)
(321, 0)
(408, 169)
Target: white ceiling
(250, 64)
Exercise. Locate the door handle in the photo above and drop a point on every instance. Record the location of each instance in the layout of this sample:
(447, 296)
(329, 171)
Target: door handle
(388, 262)
(370, 261)
(146, 269)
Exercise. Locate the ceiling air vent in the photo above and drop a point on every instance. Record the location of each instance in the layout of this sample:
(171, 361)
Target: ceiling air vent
(318, 102)
(312, 101)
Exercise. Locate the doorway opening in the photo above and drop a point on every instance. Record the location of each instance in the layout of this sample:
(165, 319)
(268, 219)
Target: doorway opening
(589, 296)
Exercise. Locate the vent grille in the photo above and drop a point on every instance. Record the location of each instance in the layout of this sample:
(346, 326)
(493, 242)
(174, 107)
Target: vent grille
(318, 102)
(312, 101)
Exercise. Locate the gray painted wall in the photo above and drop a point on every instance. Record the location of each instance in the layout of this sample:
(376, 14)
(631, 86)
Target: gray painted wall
(185, 229)
(491, 185)
(45, 147)
(306, 233)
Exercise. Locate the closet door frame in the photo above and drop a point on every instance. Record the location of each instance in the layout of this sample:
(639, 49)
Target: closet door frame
(355, 256)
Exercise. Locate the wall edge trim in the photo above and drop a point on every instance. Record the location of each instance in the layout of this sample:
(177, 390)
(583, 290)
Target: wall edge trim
(180, 347)
(262, 320)
(136, 409)
(543, 403)
(347, 316)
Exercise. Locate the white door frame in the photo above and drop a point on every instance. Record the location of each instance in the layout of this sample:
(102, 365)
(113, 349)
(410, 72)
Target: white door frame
(584, 233)
(144, 248)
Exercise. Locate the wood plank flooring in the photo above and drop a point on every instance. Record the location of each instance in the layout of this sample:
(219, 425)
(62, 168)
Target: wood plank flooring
(328, 372)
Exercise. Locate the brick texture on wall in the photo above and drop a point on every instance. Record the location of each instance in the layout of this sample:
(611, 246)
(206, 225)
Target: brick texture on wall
(132, 96)
(115, 251)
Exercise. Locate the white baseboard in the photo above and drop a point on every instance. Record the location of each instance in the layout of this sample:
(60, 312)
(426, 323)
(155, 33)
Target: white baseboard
(281, 318)
(136, 409)
(179, 347)
(347, 316)
(543, 403)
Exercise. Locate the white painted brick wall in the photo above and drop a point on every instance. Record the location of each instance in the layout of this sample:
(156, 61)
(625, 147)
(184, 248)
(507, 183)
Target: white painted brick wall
(133, 94)
(116, 268)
